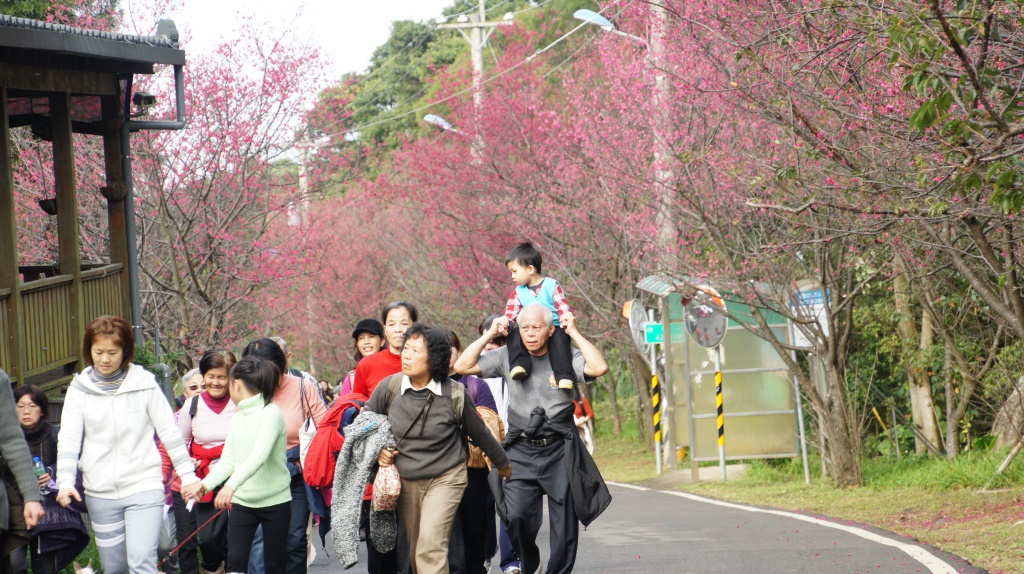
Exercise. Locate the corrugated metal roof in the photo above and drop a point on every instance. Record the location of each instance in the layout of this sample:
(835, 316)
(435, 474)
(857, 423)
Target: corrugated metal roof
(23, 33)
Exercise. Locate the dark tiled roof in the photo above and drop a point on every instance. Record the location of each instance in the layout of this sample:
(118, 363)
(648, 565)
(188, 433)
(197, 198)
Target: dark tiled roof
(161, 41)
(23, 33)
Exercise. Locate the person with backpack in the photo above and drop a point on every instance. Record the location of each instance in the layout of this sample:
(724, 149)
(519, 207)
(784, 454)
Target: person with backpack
(205, 422)
(430, 416)
(253, 470)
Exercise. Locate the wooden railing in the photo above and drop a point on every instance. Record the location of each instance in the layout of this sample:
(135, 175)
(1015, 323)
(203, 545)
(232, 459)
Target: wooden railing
(47, 323)
(102, 291)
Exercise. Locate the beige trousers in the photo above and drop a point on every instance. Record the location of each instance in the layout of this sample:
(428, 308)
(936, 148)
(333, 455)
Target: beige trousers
(427, 508)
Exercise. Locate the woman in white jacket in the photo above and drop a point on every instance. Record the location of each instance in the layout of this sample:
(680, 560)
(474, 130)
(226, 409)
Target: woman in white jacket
(110, 414)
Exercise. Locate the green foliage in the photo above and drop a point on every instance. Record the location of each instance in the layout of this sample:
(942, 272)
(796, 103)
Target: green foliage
(603, 429)
(876, 365)
(35, 9)
(40, 9)
(405, 72)
(969, 103)
(399, 74)
(971, 470)
(146, 358)
(778, 470)
(904, 438)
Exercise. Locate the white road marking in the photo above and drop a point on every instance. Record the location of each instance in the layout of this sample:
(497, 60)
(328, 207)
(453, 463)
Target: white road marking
(934, 564)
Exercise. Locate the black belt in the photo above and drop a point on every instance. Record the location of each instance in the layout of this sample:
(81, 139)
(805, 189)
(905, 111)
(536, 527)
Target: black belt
(540, 441)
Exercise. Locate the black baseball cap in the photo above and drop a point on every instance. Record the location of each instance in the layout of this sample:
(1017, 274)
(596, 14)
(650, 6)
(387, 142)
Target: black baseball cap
(371, 326)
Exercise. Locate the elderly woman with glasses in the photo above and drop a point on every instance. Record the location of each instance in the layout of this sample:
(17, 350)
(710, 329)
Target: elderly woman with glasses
(192, 383)
(64, 536)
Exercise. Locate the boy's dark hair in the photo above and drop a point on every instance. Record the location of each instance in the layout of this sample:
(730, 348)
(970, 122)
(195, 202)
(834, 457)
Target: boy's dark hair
(258, 375)
(525, 255)
(268, 350)
(413, 314)
(439, 349)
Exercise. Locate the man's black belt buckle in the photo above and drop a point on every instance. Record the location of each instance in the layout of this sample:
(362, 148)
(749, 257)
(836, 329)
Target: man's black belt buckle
(539, 441)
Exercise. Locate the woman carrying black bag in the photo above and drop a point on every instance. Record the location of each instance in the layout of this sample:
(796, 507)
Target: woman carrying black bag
(20, 507)
(61, 536)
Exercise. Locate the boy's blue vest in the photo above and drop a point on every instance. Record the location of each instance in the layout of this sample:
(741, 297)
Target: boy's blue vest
(545, 296)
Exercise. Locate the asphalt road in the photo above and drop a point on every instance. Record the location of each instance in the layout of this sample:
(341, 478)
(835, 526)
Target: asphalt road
(653, 531)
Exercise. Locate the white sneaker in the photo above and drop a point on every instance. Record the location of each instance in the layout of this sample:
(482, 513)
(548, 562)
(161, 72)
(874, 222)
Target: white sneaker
(512, 570)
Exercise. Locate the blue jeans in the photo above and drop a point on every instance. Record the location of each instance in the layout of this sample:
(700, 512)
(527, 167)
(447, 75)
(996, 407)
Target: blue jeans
(508, 553)
(297, 541)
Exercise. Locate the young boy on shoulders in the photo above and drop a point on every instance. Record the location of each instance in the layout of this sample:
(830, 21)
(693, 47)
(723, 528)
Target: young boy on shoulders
(524, 262)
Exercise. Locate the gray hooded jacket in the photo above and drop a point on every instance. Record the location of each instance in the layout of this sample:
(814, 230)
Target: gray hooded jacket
(364, 438)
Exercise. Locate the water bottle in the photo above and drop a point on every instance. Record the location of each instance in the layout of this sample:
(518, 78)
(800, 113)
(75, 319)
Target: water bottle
(40, 469)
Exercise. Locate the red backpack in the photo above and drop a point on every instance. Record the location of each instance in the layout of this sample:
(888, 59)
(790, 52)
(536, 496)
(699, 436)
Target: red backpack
(322, 457)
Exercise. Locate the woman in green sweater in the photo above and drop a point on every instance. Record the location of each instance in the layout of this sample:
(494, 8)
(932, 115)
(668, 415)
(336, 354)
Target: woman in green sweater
(252, 468)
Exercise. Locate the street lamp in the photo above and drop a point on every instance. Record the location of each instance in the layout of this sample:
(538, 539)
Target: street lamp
(440, 122)
(591, 17)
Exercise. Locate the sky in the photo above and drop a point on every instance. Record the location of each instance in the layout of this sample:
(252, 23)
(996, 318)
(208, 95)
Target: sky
(346, 31)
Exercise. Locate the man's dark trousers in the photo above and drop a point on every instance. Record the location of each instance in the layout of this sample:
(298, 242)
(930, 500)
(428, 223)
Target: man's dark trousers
(536, 471)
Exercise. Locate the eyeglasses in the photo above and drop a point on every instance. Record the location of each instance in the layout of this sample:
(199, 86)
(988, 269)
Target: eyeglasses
(195, 387)
(27, 407)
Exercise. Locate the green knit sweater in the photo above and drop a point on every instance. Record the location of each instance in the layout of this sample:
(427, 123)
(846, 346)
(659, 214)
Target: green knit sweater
(253, 460)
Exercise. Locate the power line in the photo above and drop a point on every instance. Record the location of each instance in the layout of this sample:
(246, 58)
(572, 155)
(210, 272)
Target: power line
(410, 45)
(469, 89)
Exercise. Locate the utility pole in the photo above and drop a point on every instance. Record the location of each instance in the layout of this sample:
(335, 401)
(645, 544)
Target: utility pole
(479, 32)
(664, 180)
(304, 218)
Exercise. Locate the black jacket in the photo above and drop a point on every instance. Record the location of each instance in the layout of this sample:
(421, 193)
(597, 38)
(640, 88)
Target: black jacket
(590, 496)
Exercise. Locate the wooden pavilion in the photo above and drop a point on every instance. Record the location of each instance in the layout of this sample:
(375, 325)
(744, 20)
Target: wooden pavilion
(62, 80)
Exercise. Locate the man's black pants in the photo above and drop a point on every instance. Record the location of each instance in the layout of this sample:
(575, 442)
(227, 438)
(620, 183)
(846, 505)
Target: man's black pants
(536, 471)
(467, 547)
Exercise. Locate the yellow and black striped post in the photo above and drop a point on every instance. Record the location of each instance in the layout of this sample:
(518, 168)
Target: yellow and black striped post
(656, 407)
(718, 404)
(721, 413)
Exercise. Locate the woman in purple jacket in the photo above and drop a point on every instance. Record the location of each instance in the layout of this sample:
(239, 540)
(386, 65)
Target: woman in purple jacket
(471, 538)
